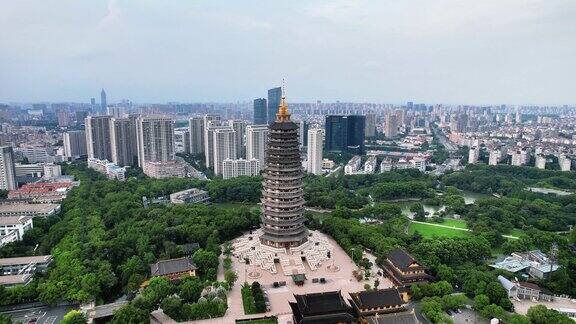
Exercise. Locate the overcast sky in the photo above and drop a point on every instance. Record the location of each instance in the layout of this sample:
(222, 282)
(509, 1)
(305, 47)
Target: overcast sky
(434, 51)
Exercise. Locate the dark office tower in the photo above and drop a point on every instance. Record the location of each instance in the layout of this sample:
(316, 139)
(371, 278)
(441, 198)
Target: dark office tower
(260, 112)
(103, 103)
(93, 101)
(274, 97)
(336, 133)
(345, 133)
(356, 134)
(410, 105)
(282, 187)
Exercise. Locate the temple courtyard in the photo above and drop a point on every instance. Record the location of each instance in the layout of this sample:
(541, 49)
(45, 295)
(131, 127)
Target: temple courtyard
(336, 271)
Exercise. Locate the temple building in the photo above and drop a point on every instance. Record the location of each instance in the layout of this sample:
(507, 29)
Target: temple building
(282, 188)
(372, 302)
(326, 307)
(403, 269)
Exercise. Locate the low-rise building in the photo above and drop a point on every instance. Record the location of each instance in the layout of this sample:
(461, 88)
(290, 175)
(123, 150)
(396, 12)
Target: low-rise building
(16, 280)
(19, 265)
(565, 163)
(173, 269)
(32, 210)
(370, 165)
(42, 191)
(111, 170)
(232, 168)
(328, 164)
(533, 263)
(540, 162)
(19, 224)
(166, 169)
(190, 196)
(9, 237)
(525, 290)
(353, 165)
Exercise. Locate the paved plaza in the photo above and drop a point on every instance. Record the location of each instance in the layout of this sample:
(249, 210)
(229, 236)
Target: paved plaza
(342, 280)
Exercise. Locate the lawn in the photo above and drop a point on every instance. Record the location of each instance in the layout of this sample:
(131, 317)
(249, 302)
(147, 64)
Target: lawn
(459, 223)
(232, 205)
(248, 300)
(516, 232)
(431, 231)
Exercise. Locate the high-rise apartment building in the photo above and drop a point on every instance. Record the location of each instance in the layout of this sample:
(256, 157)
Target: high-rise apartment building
(63, 117)
(256, 139)
(224, 146)
(196, 129)
(260, 111)
(473, 155)
(345, 133)
(182, 140)
(274, 97)
(115, 111)
(211, 122)
(98, 137)
(7, 170)
(314, 151)
(565, 163)
(120, 141)
(391, 125)
(103, 103)
(302, 132)
(74, 143)
(495, 157)
(370, 125)
(239, 127)
(155, 139)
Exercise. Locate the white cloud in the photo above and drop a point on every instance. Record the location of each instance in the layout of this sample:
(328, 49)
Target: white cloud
(112, 15)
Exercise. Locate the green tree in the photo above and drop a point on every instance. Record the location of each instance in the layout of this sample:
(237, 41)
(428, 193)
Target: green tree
(540, 314)
(481, 301)
(172, 306)
(190, 289)
(5, 319)
(130, 314)
(74, 317)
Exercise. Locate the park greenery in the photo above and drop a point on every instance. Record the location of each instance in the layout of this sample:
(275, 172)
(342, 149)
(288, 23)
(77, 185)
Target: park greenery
(253, 298)
(104, 239)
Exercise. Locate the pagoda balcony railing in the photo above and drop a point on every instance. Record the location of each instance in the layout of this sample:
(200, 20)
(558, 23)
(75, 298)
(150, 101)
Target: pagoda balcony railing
(285, 231)
(283, 204)
(293, 213)
(282, 178)
(291, 222)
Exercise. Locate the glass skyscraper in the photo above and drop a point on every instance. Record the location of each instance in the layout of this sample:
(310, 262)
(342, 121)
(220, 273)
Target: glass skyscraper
(260, 111)
(274, 97)
(345, 133)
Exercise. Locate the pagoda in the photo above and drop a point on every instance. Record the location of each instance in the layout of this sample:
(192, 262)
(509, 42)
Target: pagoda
(282, 188)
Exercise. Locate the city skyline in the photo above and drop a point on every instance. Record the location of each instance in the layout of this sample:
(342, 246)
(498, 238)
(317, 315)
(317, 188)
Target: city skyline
(512, 52)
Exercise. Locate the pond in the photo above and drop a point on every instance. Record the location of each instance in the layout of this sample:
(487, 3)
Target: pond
(469, 198)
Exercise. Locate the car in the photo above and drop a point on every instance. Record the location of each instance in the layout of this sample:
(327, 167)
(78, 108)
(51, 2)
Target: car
(449, 312)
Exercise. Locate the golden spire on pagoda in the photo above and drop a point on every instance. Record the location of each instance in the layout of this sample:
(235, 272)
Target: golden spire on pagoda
(283, 113)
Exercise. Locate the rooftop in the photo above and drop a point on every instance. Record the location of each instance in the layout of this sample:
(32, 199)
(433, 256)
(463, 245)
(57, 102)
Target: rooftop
(394, 318)
(25, 260)
(165, 267)
(401, 259)
(321, 303)
(377, 298)
(10, 220)
(19, 208)
(14, 279)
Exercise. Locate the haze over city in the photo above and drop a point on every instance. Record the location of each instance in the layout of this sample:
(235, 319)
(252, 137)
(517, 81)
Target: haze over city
(482, 52)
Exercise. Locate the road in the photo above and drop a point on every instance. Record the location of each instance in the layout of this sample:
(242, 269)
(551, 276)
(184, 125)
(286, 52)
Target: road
(42, 314)
(459, 229)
